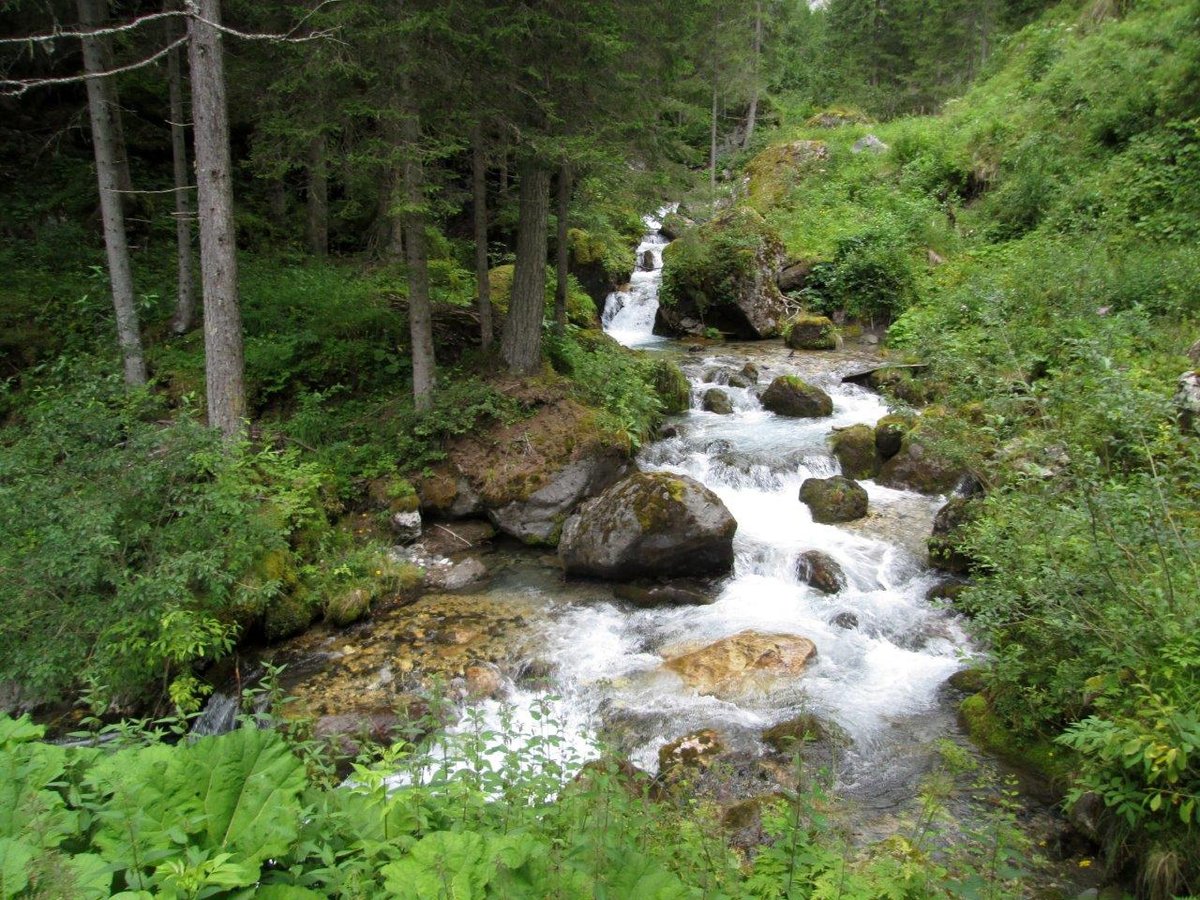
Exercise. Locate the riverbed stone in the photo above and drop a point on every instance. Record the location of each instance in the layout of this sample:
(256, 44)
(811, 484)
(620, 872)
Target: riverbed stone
(846, 620)
(746, 661)
(836, 499)
(406, 525)
(649, 596)
(821, 571)
(696, 750)
(717, 401)
(947, 549)
(808, 332)
(750, 372)
(856, 451)
(917, 467)
(484, 681)
(890, 432)
(790, 396)
(791, 734)
(652, 524)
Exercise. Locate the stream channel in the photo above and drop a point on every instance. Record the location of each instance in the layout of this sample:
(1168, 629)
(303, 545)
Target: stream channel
(570, 652)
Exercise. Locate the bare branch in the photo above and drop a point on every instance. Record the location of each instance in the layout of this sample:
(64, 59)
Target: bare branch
(58, 33)
(182, 187)
(17, 87)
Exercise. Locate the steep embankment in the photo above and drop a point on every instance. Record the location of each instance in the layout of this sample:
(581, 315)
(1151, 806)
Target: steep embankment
(1036, 245)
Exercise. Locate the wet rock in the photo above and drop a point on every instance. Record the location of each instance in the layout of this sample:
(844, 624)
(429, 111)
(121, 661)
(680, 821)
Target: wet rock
(750, 372)
(647, 261)
(463, 574)
(889, 434)
(869, 144)
(724, 274)
(718, 447)
(795, 275)
(947, 543)
(947, 591)
(442, 539)
(969, 681)
(791, 396)
(836, 499)
(406, 525)
(667, 432)
(637, 784)
(856, 451)
(692, 751)
(350, 730)
(288, 615)
(539, 518)
(846, 620)
(788, 736)
(739, 381)
(1187, 401)
(748, 660)
(821, 571)
(812, 333)
(484, 681)
(348, 607)
(662, 595)
(917, 468)
(650, 525)
(717, 401)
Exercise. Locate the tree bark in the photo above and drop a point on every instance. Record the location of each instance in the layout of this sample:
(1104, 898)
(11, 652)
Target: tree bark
(480, 213)
(420, 315)
(561, 249)
(224, 364)
(521, 342)
(185, 298)
(752, 114)
(103, 110)
(318, 198)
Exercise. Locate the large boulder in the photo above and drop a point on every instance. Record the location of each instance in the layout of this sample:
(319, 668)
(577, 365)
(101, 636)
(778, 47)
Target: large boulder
(890, 432)
(746, 661)
(836, 499)
(794, 275)
(776, 170)
(821, 571)
(651, 524)
(792, 396)
(916, 467)
(856, 451)
(717, 401)
(538, 518)
(812, 333)
(723, 275)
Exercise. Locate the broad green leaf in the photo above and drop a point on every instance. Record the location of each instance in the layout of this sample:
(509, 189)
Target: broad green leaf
(19, 731)
(249, 785)
(15, 857)
(92, 877)
(444, 865)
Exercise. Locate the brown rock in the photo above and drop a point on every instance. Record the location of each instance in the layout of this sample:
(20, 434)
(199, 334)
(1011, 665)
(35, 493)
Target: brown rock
(745, 661)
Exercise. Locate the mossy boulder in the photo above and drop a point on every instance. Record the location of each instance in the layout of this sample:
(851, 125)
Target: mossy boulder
(812, 333)
(288, 615)
(581, 308)
(672, 387)
(837, 116)
(723, 276)
(836, 499)
(348, 606)
(717, 401)
(918, 467)
(821, 571)
(650, 525)
(904, 383)
(792, 734)
(674, 225)
(947, 549)
(788, 395)
(1032, 755)
(856, 451)
(776, 170)
(890, 432)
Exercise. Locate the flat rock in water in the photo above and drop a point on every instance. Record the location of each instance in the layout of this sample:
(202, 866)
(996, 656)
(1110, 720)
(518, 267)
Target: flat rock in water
(744, 662)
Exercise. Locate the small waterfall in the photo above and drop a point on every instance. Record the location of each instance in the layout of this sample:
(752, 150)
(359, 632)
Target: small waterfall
(629, 315)
(219, 715)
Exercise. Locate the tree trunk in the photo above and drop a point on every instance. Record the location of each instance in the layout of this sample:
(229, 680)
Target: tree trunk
(224, 365)
(752, 114)
(102, 107)
(561, 249)
(185, 299)
(318, 198)
(420, 315)
(99, 13)
(480, 212)
(521, 342)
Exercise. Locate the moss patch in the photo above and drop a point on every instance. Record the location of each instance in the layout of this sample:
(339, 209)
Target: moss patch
(988, 731)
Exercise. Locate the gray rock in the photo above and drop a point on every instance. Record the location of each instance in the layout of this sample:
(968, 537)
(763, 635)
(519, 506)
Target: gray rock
(717, 401)
(539, 519)
(869, 144)
(795, 275)
(650, 525)
(1187, 401)
(463, 574)
(847, 620)
(406, 526)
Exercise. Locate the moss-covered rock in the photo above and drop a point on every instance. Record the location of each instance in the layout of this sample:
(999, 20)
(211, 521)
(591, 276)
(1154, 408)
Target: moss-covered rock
(837, 116)
(672, 387)
(674, 225)
(988, 731)
(890, 432)
(774, 171)
(288, 615)
(836, 499)
(947, 543)
(723, 276)
(790, 735)
(348, 606)
(717, 401)
(651, 524)
(788, 395)
(856, 451)
(904, 383)
(918, 467)
(581, 309)
(809, 332)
